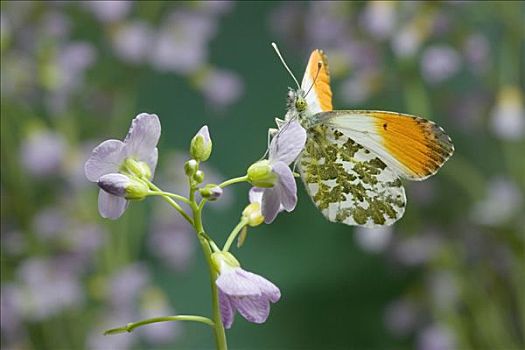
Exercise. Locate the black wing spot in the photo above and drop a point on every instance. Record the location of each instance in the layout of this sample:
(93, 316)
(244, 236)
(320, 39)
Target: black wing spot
(385, 125)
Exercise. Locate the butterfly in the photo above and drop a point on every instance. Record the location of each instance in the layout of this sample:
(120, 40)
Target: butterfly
(353, 160)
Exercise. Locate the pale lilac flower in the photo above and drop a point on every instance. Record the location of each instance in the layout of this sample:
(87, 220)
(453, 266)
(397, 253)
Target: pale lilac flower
(109, 10)
(126, 285)
(417, 250)
(508, 115)
(436, 337)
(245, 292)
(43, 153)
(221, 88)
(132, 41)
(154, 303)
(401, 317)
(379, 18)
(439, 62)
(503, 200)
(284, 149)
(139, 145)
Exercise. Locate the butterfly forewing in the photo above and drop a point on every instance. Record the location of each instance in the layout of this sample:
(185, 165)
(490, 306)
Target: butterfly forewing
(319, 95)
(413, 147)
(347, 182)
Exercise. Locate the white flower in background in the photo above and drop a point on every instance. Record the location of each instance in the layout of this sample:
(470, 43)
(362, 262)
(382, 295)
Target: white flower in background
(221, 87)
(43, 152)
(132, 41)
(436, 337)
(401, 317)
(502, 201)
(379, 18)
(153, 303)
(109, 10)
(439, 62)
(418, 249)
(477, 52)
(508, 116)
(373, 240)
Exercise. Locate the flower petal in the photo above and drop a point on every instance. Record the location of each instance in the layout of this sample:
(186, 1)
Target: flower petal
(268, 289)
(114, 183)
(255, 194)
(271, 204)
(106, 158)
(143, 137)
(236, 282)
(227, 311)
(152, 161)
(288, 143)
(110, 206)
(253, 309)
(286, 186)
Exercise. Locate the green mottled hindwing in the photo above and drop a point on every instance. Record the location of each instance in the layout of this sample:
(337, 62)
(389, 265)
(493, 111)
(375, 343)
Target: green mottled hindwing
(347, 182)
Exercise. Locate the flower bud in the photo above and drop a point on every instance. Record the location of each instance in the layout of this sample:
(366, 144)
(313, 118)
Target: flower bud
(260, 174)
(191, 167)
(123, 186)
(198, 177)
(221, 259)
(201, 145)
(252, 213)
(211, 192)
(137, 168)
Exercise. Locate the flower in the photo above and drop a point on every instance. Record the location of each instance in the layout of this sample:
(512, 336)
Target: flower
(274, 173)
(135, 157)
(242, 291)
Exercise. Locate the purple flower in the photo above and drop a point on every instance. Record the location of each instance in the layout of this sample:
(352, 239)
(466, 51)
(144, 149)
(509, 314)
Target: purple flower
(136, 156)
(245, 292)
(284, 148)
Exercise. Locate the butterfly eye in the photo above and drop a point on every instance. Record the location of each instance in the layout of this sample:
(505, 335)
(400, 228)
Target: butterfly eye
(300, 104)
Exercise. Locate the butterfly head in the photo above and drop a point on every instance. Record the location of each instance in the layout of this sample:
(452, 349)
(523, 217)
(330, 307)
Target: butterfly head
(296, 101)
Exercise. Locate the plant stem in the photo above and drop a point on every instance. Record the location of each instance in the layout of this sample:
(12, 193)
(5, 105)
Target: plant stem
(131, 326)
(234, 234)
(171, 201)
(220, 336)
(169, 194)
(234, 181)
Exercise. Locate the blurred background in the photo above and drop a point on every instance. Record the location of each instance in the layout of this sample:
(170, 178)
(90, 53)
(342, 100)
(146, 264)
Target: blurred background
(449, 275)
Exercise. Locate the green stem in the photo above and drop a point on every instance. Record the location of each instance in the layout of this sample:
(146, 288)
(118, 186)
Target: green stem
(220, 336)
(132, 325)
(234, 181)
(169, 194)
(234, 234)
(171, 202)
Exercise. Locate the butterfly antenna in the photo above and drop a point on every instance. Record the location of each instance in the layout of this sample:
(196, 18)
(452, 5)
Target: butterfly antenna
(319, 65)
(285, 65)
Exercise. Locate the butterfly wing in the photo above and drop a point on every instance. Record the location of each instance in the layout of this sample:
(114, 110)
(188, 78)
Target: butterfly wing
(415, 148)
(319, 96)
(347, 182)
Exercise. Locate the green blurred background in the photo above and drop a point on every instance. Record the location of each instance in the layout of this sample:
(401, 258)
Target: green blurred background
(449, 275)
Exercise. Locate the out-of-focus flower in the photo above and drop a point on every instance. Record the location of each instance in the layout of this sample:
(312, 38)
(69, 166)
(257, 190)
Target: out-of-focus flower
(181, 44)
(220, 87)
(48, 287)
(136, 155)
(379, 18)
(508, 116)
(374, 240)
(96, 340)
(211, 192)
(477, 52)
(132, 41)
(171, 239)
(50, 222)
(436, 337)
(242, 291)
(43, 153)
(10, 317)
(418, 249)
(109, 10)
(503, 199)
(360, 85)
(126, 284)
(439, 62)
(284, 148)
(400, 317)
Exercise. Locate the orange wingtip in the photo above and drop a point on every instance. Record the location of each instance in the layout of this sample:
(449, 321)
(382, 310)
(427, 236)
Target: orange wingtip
(418, 144)
(318, 71)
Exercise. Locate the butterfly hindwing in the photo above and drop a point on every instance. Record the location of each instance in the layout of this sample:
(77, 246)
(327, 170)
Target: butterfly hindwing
(347, 182)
